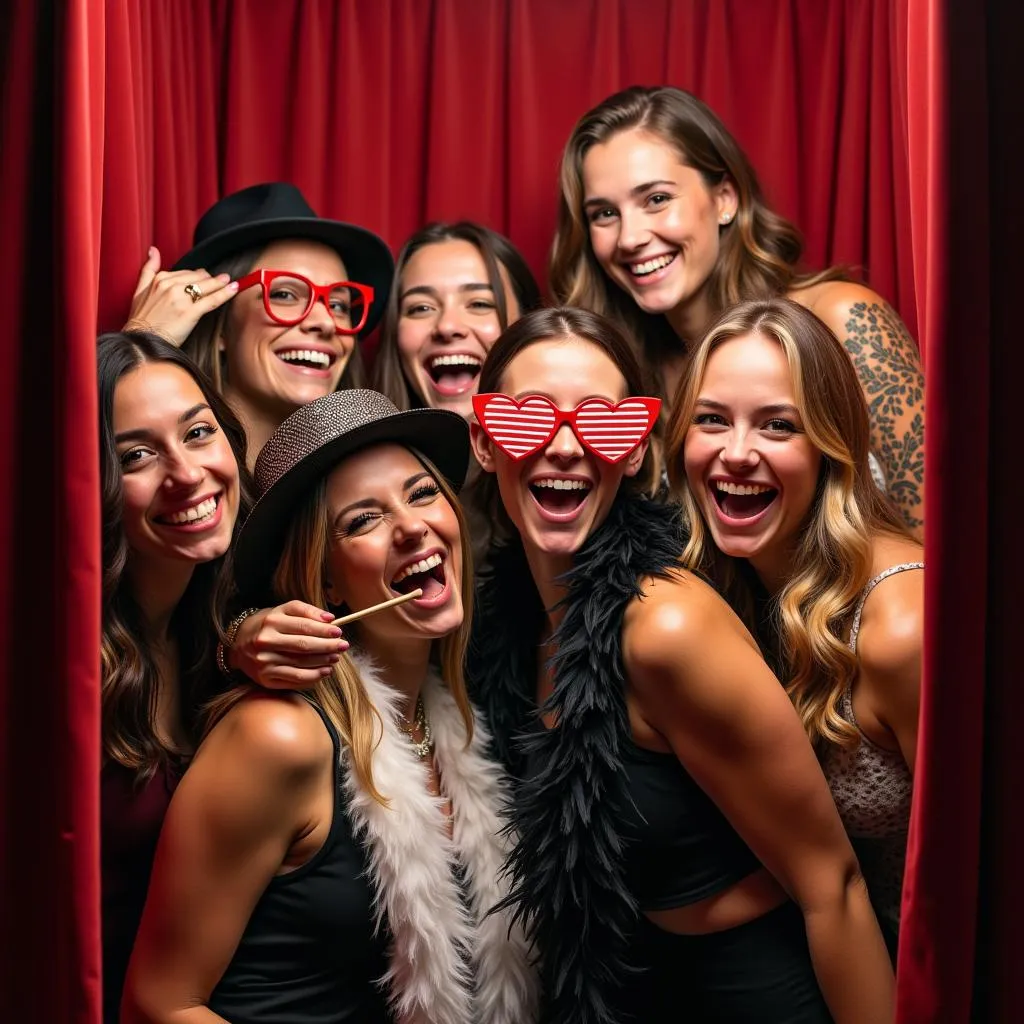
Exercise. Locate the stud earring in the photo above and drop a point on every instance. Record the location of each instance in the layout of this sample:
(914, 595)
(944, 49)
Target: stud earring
(725, 218)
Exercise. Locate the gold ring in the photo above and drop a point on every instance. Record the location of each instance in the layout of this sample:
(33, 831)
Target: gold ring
(194, 292)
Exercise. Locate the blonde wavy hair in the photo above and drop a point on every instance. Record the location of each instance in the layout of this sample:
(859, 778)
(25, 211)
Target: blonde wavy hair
(832, 561)
(760, 251)
(300, 576)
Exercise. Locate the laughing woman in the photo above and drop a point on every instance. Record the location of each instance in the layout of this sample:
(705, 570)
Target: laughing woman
(270, 301)
(333, 857)
(662, 224)
(456, 288)
(768, 446)
(172, 493)
(679, 855)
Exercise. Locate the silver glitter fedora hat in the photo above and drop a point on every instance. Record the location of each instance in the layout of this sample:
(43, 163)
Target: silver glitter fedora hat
(314, 439)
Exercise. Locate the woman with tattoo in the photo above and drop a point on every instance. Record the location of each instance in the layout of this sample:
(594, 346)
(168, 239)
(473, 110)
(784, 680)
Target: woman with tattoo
(662, 225)
(768, 448)
(678, 854)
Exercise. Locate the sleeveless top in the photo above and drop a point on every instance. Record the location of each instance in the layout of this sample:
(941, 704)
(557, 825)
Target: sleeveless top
(872, 788)
(309, 953)
(131, 814)
(680, 848)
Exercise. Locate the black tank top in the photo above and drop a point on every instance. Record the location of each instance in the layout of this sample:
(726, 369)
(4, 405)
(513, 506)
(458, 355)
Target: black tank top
(309, 954)
(680, 848)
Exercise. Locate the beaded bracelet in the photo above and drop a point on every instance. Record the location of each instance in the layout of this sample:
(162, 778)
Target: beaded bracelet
(229, 638)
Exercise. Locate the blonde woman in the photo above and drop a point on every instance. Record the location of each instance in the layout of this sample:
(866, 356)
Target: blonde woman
(334, 856)
(768, 449)
(662, 224)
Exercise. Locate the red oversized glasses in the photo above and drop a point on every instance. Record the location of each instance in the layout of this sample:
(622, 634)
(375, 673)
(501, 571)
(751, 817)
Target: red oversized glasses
(288, 298)
(610, 431)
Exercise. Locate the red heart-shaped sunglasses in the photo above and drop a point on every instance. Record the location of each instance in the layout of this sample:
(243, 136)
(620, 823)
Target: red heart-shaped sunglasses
(610, 431)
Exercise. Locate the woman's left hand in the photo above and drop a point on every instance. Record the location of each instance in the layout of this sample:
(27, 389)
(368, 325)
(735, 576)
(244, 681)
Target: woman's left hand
(290, 647)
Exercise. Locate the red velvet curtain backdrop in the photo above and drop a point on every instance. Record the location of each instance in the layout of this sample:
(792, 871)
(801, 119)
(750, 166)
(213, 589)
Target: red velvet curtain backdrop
(393, 112)
(51, 112)
(122, 121)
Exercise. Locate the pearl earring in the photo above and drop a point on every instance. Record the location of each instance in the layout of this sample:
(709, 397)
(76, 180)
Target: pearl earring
(725, 218)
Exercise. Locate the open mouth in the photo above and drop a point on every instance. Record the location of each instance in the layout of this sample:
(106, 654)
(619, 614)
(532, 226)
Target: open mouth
(560, 496)
(453, 374)
(742, 501)
(198, 515)
(307, 358)
(428, 575)
(647, 267)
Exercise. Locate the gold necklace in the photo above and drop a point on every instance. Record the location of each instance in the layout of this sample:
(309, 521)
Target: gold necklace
(420, 721)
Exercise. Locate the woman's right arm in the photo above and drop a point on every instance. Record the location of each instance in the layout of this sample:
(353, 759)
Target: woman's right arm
(289, 647)
(161, 304)
(701, 683)
(231, 822)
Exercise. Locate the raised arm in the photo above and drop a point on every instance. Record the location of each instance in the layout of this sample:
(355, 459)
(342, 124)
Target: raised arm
(699, 681)
(233, 818)
(889, 367)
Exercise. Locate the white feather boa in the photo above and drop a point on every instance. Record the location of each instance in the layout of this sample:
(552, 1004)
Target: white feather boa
(450, 961)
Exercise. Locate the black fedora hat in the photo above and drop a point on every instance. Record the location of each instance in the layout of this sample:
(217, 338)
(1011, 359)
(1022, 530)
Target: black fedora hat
(315, 438)
(277, 210)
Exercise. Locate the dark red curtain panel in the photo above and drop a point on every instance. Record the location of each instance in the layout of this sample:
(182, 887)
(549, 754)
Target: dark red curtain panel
(393, 112)
(51, 111)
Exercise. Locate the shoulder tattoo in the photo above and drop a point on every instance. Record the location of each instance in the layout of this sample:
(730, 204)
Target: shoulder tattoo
(889, 368)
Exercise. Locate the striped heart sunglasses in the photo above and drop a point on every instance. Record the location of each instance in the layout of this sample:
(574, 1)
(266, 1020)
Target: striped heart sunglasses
(610, 431)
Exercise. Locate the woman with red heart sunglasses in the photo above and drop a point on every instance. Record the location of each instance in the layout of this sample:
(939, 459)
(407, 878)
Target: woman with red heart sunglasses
(679, 855)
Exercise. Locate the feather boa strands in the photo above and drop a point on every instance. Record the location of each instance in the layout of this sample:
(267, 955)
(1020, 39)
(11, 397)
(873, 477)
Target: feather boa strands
(452, 961)
(566, 871)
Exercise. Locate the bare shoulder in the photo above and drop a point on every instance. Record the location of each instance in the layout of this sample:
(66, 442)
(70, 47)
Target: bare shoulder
(271, 732)
(840, 303)
(892, 625)
(674, 624)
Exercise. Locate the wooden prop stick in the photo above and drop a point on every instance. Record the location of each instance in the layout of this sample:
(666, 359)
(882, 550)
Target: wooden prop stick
(401, 599)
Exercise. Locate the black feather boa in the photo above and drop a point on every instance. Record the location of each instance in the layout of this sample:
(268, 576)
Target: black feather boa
(566, 870)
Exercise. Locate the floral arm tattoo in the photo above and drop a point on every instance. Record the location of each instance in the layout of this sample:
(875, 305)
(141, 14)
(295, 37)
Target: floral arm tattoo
(889, 368)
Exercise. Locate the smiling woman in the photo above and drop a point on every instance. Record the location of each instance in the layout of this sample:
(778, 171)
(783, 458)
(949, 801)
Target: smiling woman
(768, 448)
(173, 492)
(645, 728)
(270, 301)
(343, 848)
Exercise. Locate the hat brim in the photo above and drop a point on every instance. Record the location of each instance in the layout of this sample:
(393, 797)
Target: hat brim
(367, 259)
(439, 435)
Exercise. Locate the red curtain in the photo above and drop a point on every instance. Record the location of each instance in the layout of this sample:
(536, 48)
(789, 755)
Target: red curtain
(392, 112)
(50, 207)
(124, 120)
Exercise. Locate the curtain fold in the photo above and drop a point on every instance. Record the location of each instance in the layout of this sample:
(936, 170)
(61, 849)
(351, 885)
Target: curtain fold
(50, 561)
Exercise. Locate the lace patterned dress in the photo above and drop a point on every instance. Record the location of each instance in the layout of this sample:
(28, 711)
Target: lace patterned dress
(872, 788)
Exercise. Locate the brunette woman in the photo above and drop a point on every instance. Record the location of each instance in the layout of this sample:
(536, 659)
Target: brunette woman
(678, 856)
(270, 301)
(170, 451)
(662, 225)
(768, 446)
(335, 856)
(456, 288)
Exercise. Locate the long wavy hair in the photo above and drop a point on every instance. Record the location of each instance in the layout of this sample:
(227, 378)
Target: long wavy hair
(497, 253)
(129, 680)
(300, 576)
(759, 253)
(202, 343)
(831, 564)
